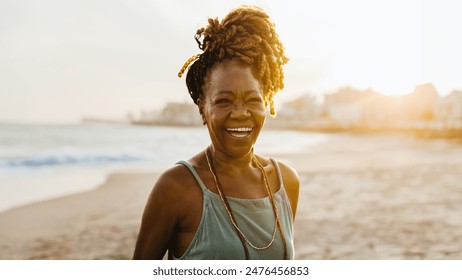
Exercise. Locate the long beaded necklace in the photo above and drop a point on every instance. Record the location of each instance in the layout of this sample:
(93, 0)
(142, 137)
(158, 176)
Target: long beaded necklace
(277, 223)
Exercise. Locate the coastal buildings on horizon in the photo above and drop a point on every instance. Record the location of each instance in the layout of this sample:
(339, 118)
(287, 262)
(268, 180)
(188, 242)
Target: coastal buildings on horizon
(345, 109)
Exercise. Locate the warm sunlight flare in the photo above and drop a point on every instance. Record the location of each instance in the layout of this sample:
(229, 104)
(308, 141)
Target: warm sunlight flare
(364, 44)
(106, 154)
(87, 57)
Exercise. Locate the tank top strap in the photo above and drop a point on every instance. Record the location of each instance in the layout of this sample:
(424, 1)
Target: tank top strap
(194, 173)
(278, 171)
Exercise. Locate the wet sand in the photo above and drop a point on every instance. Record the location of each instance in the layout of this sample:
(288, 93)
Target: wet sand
(361, 197)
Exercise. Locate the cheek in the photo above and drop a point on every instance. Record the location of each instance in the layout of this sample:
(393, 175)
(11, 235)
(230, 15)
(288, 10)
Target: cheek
(259, 110)
(218, 113)
(259, 115)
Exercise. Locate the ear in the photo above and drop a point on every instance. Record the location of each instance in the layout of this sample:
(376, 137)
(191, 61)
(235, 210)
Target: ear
(200, 105)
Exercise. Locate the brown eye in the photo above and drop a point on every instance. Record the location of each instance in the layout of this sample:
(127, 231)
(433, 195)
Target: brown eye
(255, 100)
(222, 101)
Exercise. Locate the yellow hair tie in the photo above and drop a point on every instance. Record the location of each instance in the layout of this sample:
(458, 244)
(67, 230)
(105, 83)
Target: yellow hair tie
(186, 64)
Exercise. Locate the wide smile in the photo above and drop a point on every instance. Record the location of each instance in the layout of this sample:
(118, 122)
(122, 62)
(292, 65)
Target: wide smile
(240, 132)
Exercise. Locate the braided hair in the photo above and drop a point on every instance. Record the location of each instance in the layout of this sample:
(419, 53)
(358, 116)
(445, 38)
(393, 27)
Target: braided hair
(246, 34)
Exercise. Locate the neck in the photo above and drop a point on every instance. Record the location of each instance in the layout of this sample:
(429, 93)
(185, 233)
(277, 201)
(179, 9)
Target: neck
(223, 161)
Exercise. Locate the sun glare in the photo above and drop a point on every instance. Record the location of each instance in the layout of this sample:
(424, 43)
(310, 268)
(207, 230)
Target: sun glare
(366, 45)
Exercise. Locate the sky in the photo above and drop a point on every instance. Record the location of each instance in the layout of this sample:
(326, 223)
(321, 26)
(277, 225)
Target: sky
(64, 60)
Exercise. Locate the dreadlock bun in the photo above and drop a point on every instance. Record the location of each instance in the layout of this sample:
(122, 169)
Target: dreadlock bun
(246, 34)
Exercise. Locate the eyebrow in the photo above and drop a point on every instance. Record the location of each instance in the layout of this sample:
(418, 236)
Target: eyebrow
(227, 92)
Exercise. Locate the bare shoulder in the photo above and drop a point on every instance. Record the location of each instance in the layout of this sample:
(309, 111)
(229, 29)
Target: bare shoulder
(291, 182)
(289, 175)
(163, 213)
(172, 188)
(172, 181)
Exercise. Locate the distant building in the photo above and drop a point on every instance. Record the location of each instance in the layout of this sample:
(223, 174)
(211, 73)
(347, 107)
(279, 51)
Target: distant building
(301, 112)
(449, 110)
(174, 114)
(378, 111)
(422, 111)
(421, 103)
(147, 117)
(350, 107)
(184, 113)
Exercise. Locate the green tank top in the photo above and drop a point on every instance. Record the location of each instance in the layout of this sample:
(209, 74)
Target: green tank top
(216, 238)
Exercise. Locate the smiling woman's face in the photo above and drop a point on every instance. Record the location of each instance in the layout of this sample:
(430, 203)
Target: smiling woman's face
(233, 108)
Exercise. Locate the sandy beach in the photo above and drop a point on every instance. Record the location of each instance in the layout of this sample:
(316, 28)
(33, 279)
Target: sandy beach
(361, 197)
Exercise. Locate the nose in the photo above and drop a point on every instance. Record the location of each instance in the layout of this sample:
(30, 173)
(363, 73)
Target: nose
(240, 111)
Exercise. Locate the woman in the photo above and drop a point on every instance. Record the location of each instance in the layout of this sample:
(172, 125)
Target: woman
(226, 202)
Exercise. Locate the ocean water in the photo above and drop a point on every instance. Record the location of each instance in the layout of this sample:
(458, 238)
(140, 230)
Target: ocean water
(39, 162)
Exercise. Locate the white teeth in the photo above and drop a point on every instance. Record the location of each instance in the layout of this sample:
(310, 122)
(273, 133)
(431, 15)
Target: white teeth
(238, 135)
(239, 132)
(239, 129)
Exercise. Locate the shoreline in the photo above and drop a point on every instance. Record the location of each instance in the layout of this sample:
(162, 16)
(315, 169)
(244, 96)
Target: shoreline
(91, 182)
(361, 197)
(75, 226)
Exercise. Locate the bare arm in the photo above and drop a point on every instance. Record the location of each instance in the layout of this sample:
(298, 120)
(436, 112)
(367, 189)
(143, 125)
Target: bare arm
(160, 219)
(291, 184)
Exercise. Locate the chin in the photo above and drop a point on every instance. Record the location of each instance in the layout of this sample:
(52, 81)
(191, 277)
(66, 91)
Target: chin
(238, 152)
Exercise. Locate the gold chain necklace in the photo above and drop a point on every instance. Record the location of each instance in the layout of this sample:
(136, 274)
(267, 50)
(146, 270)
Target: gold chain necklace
(233, 222)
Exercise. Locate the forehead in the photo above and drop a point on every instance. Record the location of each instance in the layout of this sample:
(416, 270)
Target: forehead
(230, 76)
